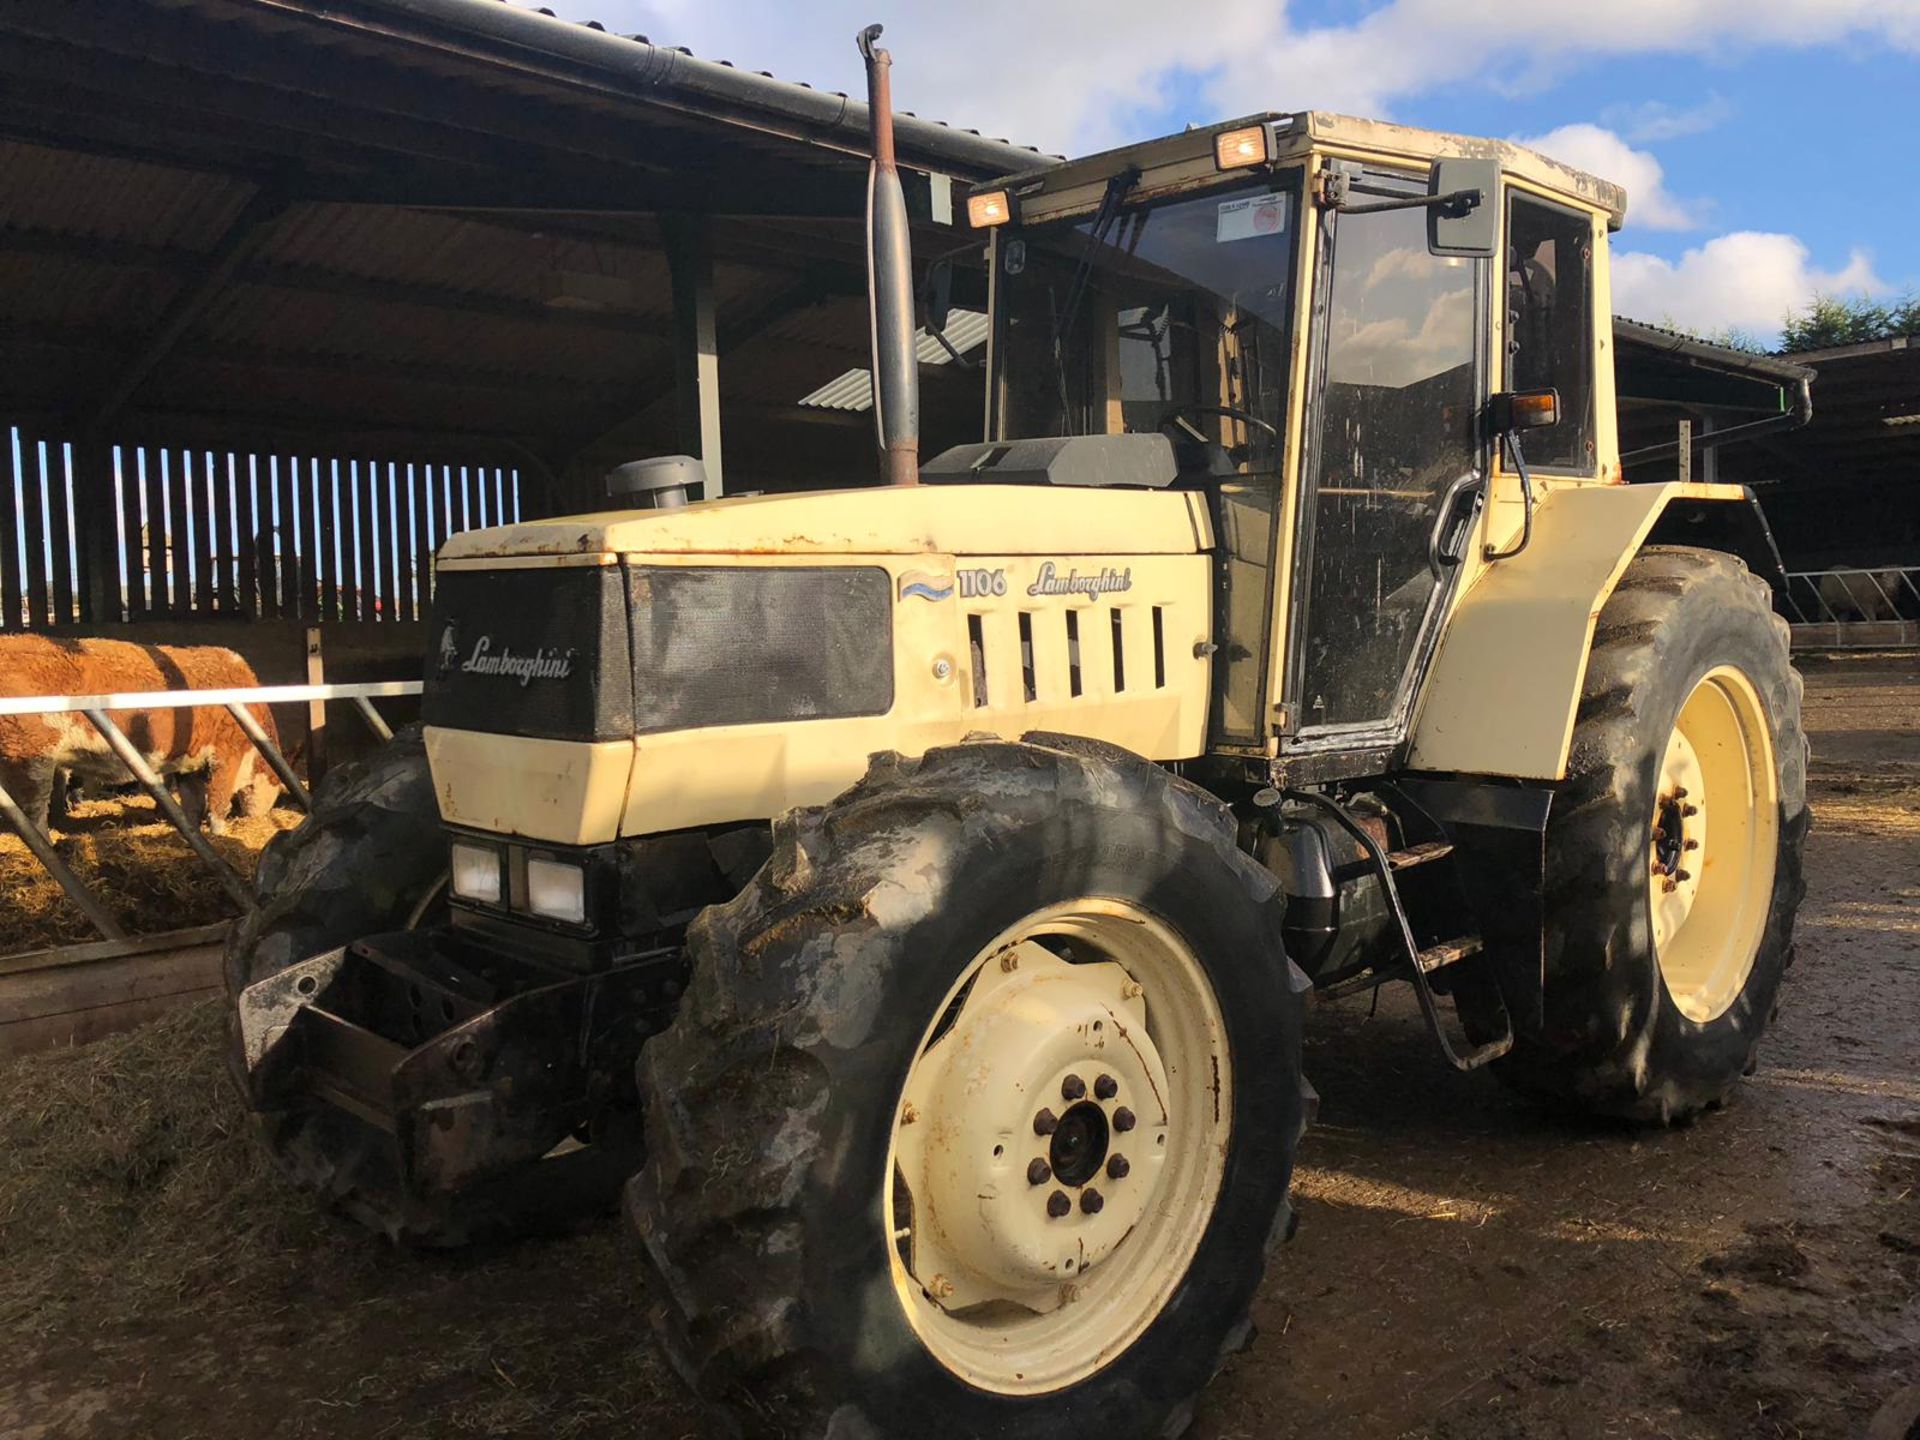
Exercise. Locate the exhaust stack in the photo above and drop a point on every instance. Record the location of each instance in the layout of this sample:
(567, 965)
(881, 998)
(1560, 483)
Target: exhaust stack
(896, 373)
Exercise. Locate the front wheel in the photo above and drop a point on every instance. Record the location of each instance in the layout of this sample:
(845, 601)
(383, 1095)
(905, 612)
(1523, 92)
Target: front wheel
(981, 1113)
(1673, 852)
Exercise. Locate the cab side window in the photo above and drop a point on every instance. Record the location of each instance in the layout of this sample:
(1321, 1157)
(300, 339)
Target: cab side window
(1549, 325)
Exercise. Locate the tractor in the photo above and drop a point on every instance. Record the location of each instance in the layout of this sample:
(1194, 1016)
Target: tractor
(905, 899)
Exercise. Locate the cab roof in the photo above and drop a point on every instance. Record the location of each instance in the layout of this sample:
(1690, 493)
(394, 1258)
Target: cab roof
(1180, 162)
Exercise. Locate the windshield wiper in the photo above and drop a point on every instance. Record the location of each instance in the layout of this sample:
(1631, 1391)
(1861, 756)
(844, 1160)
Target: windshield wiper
(1117, 190)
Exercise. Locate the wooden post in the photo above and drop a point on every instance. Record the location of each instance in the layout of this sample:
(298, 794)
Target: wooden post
(316, 712)
(96, 515)
(696, 344)
(1685, 458)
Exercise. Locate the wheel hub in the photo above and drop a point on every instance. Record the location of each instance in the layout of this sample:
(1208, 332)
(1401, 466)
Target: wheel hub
(1037, 1132)
(1711, 844)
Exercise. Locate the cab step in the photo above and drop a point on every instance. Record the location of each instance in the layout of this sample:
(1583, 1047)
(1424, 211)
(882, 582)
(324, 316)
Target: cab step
(1423, 854)
(1449, 952)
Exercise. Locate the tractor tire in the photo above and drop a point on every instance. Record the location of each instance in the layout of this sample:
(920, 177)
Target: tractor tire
(369, 858)
(806, 1112)
(1673, 852)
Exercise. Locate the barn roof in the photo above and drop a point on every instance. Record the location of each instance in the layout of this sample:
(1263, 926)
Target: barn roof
(405, 219)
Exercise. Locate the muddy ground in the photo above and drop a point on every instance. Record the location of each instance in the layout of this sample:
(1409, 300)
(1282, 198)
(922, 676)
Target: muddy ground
(1467, 1268)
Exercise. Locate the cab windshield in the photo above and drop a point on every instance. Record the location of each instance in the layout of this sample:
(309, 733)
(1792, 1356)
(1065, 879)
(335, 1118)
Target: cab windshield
(1172, 317)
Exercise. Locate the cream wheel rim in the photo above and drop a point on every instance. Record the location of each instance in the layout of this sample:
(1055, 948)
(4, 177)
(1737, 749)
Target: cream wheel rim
(1712, 845)
(1058, 1147)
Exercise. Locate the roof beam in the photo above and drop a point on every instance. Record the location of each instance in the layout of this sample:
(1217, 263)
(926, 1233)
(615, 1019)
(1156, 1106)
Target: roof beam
(314, 279)
(245, 233)
(321, 365)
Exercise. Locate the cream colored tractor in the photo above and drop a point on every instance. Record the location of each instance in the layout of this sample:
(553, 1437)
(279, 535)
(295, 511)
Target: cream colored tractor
(907, 897)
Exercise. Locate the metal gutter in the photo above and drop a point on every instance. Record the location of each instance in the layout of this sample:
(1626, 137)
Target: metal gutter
(1707, 354)
(506, 35)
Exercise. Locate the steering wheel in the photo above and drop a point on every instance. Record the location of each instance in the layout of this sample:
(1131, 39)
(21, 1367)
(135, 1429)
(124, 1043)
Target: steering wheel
(1232, 412)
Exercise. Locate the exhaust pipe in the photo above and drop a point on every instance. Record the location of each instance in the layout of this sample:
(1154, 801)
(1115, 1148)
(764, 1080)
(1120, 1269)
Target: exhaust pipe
(896, 373)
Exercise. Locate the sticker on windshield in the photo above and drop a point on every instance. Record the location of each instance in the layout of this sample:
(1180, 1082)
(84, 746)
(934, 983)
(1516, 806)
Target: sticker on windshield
(1250, 217)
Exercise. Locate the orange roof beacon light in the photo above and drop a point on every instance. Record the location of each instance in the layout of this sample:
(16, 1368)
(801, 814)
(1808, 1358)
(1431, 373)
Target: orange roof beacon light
(1237, 149)
(989, 208)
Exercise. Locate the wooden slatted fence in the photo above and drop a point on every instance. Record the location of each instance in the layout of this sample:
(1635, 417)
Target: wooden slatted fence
(137, 531)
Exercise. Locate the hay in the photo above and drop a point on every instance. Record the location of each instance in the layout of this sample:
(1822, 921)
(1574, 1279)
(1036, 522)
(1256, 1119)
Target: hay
(127, 1174)
(155, 1262)
(135, 862)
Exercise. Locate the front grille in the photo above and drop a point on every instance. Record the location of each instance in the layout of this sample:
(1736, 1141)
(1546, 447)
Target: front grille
(537, 652)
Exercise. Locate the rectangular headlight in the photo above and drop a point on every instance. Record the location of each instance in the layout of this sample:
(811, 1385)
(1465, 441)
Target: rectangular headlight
(476, 872)
(557, 889)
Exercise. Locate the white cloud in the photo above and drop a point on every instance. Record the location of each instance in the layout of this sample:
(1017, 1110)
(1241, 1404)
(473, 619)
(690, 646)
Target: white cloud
(1066, 77)
(1651, 121)
(1603, 153)
(1748, 281)
(1416, 47)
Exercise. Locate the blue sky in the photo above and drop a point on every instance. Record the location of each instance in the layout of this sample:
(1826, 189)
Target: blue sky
(1767, 145)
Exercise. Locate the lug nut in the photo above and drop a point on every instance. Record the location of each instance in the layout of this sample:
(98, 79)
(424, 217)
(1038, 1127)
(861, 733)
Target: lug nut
(1659, 867)
(1658, 833)
(1039, 1172)
(1690, 845)
(1668, 887)
(1072, 1088)
(1682, 875)
(1091, 1202)
(1689, 810)
(1058, 1204)
(1117, 1167)
(1679, 792)
(1123, 1119)
(1045, 1123)
(1106, 1087)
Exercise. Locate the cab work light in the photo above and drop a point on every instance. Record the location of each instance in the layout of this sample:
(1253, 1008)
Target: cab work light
(1237, 149)
(988, 209)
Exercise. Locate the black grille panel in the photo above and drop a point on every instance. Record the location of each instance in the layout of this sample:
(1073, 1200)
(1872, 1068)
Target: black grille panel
(751, 645)
(539, 652)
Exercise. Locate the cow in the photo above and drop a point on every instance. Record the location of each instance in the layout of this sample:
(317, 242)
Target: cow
(1847, 593)
(201, 750)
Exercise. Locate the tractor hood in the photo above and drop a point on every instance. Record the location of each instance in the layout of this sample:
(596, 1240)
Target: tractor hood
(648, 671)
(963, 519)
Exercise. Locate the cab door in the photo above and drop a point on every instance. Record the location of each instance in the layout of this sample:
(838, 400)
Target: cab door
(1392, 440)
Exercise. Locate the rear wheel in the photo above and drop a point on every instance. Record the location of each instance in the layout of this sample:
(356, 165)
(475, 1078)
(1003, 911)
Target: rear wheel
(1673, 851)
(980, 1115)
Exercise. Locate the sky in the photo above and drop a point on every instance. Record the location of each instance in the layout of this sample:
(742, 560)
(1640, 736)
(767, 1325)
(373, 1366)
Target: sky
(1766, 145)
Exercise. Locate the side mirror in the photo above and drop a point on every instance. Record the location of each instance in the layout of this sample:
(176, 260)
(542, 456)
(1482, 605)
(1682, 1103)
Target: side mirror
(1511, 411)
(939, 294)
(1464, 219)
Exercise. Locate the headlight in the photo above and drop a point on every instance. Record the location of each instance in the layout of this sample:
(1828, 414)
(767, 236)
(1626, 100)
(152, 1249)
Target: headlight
(557, 889)
(476, 873)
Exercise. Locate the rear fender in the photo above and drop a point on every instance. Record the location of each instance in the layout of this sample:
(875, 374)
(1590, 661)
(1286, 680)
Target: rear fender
(1501, 695)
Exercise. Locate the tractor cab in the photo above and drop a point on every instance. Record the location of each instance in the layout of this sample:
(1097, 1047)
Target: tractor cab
(1315, 320)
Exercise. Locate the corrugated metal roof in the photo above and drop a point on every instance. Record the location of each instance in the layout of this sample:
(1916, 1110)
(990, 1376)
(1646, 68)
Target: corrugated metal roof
(966, 331)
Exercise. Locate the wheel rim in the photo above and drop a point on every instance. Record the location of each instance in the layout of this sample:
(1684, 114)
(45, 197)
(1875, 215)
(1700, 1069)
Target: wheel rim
(1712, 845)
(1081, 1054)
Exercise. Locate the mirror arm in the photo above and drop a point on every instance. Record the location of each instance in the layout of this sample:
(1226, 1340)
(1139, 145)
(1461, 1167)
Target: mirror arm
(1511, 440)
(1337, 187)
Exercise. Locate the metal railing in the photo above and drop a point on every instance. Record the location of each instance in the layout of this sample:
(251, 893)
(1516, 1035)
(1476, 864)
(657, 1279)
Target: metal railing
(1854, 609)
(99, 709)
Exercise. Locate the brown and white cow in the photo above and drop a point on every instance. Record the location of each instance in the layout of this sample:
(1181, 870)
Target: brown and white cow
(202, 750)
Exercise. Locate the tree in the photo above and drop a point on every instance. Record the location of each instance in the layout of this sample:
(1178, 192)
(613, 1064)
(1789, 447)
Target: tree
(1832, 320)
